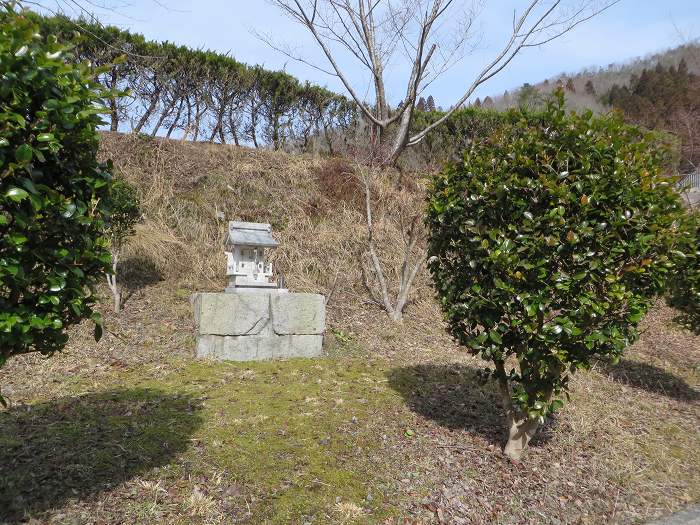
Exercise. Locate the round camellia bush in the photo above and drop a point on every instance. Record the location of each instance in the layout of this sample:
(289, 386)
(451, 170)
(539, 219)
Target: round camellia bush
(547, 244)
(52, 190)
(685, 282)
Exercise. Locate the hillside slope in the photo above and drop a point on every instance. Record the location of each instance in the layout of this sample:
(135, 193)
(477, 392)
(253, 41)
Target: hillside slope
(316, 207)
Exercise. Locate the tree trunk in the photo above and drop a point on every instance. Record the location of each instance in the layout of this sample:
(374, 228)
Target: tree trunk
(117, 301)
(116, 294)
(112, 282)
(329, 140)
(408, 270)
(175, 120)
(396, 315)
(164, 114)
(401, 138)
(276, 133)
(114, 117)
(197, 120)
(253, 123)
(520, 432)
(521, 427)
(188, 126)
(149, 111)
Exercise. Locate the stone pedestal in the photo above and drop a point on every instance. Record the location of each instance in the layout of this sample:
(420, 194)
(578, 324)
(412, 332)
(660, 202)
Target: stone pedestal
(259, 326)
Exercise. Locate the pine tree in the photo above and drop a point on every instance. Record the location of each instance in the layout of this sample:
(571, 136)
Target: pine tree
(529, 97)
(666, 98)
(590, 88)
(430, 104)
(570, 85)
(421, 104)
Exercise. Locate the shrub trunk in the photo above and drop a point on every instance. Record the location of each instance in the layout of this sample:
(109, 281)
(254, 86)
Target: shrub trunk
(520, 432)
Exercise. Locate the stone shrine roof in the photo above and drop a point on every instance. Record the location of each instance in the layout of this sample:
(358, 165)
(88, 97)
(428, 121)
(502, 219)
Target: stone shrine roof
(250, 234)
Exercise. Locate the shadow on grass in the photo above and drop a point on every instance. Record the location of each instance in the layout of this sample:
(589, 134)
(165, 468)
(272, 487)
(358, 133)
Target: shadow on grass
(687, 313)
(137, 273)
(455, 397)
(78, 446)
(650, 378)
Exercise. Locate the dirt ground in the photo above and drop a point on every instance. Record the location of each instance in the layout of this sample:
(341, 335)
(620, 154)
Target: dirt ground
(392, 426)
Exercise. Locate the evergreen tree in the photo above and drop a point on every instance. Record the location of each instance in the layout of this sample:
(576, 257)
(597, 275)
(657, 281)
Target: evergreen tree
(430, 104)
(529, 97)
(664, 98)
(53, 190)
(590, 89)
(421, 104)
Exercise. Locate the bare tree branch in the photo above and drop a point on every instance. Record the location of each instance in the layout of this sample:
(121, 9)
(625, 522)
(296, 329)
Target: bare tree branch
(371, 30)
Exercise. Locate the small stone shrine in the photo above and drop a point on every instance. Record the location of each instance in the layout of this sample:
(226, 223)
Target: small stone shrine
(256, 318)
(245, 261)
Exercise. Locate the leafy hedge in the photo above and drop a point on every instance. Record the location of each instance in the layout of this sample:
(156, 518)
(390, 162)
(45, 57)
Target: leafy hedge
(548, 243)
(52, 190)
(447, 142)
(201, 94)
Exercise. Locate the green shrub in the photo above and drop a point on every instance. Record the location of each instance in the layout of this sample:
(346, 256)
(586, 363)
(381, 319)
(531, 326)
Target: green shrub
(446, 142)
(124, 209)
(52, 190)
(685, 282)
(547, 245)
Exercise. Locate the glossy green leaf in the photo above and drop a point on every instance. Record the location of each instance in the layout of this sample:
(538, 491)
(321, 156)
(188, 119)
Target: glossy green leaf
(16, 194)
(538, 219)
(24, 153)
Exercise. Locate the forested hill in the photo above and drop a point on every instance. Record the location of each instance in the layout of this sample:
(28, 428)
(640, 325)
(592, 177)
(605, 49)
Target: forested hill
(174, 91)
(585, 88)
(661, 91)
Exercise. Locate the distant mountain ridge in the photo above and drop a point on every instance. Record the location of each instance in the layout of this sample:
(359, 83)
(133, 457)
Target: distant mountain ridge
(584, 88)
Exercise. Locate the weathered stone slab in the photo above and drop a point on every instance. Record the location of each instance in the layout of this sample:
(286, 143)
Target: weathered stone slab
(232, 314)
(305, 345)
(257, 348)
(298, 314)
(259, 326)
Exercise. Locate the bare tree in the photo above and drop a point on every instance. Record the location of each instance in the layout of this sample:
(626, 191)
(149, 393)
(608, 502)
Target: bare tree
(411, 264)
(391, 297)
(375, 32)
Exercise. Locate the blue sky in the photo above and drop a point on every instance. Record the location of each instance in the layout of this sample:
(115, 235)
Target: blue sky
(630, 29)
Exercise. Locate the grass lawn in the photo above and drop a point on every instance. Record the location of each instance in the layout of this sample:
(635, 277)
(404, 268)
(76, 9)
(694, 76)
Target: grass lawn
(134, 431)
(295, 440)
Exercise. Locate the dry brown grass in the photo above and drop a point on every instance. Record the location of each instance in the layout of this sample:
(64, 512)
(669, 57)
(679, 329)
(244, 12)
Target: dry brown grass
(185, 188)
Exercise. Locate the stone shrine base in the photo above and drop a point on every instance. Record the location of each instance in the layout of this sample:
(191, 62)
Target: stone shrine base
(259, 326)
